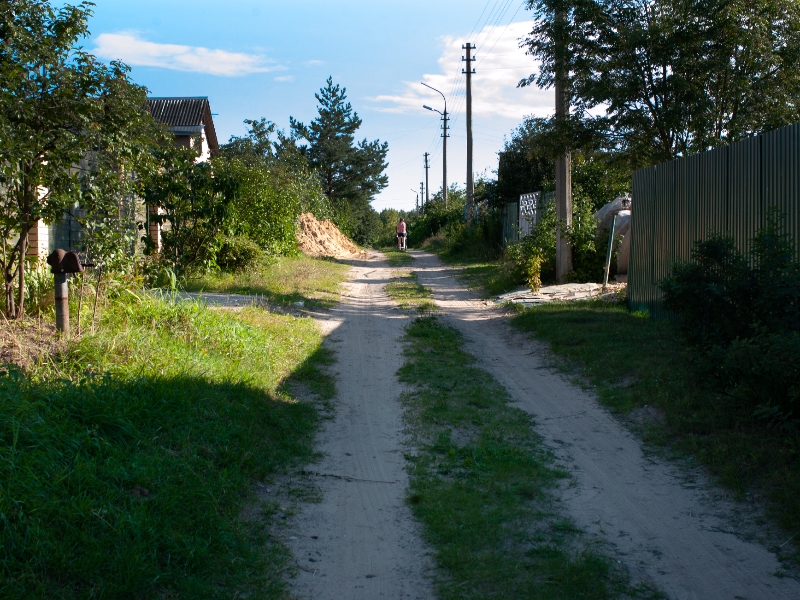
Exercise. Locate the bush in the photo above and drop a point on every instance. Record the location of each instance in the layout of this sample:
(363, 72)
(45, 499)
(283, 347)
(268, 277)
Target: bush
(535, 254)
(743, 319)
(526, 259)
(238, 253)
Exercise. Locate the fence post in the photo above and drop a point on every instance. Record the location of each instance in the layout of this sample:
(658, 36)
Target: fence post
(608, 254)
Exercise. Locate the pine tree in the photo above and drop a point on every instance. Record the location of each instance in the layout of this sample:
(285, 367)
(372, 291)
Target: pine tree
(350, 173)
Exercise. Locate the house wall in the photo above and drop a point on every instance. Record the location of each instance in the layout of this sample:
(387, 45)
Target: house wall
(39, 240)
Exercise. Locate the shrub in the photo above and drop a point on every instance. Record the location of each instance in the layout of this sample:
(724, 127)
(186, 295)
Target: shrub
(742, 316)
(238, 253)
(527, 258)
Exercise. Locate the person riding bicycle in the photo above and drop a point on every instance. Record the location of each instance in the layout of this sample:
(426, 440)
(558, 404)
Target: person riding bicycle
(401, 234)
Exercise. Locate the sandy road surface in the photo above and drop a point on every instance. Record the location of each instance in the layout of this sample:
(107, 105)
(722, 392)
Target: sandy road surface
(361, 541)
(676, 535)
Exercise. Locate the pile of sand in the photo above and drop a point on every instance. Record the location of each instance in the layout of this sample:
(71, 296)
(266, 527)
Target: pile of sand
(323, 238)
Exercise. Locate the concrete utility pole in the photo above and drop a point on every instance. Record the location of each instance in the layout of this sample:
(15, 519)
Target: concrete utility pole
(421, 190)
(444, 153)
(427, 186)
(469, 59)
(563, 169)
(445, 135)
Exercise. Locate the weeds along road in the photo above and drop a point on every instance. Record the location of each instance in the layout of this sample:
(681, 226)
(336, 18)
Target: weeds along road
(677, 535)
(361, 541)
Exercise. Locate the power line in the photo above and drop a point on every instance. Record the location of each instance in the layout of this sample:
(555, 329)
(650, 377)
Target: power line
(474, 27)
(501, 35)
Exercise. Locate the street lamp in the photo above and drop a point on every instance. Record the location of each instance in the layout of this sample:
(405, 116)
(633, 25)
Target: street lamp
(444, 142)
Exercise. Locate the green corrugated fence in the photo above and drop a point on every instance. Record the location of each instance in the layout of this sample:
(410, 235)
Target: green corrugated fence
(728, 190)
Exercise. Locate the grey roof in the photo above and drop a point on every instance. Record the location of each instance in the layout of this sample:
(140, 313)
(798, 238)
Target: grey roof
(185, 116)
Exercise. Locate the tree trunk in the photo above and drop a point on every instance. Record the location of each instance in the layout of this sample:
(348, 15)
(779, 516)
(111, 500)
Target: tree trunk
(10, 304)
(23, 250)
(8, 281)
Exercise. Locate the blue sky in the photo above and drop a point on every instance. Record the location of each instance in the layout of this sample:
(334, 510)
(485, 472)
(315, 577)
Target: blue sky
(256, 58)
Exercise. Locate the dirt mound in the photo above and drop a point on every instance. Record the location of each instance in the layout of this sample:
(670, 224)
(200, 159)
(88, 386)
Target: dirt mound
(323, 238)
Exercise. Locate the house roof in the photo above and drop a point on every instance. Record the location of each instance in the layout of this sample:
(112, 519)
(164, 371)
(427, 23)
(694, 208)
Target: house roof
(185, 116)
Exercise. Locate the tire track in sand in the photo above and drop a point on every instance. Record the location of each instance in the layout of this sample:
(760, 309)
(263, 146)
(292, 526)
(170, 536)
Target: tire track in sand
(678, 537)
(361, 541)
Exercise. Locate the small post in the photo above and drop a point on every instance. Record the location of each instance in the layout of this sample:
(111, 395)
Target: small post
(608, 254)
(62, 264)
(62, 303)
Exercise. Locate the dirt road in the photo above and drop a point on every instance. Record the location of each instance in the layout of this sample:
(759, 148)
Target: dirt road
(675, 533)
(361, 541)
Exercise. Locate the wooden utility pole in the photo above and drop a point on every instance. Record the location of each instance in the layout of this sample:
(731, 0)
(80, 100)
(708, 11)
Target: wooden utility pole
(563, 165)
(469, 59)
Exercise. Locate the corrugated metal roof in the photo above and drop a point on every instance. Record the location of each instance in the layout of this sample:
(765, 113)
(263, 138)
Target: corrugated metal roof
(183, 115)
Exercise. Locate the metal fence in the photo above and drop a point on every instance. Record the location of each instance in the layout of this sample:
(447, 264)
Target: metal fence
(520, 218)
(729, 190)
(510, 220)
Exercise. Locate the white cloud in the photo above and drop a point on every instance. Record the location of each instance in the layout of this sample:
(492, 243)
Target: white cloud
(314, 63)
(500, 66)
(285, 78)
(131, 49)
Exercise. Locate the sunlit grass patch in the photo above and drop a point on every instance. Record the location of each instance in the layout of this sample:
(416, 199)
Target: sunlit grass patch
(128, 457)
(409, 293)
(283, 280)
(397, 258)
(484, 487)
(490, 277)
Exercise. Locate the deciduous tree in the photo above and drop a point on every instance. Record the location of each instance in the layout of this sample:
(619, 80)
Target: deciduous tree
(57, 103)
(673, 76)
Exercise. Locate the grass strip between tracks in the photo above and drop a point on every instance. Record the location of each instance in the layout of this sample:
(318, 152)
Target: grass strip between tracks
(409, 293)
(484, 488)
(398, 258)
(128, 458)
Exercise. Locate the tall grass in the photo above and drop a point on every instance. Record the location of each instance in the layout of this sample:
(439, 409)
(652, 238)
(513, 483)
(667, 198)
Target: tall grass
(281, 280)
(126, 460)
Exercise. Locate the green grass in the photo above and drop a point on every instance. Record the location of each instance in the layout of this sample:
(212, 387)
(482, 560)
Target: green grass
(409, 293)
(396, 258)
(484, 488)
(284, 280)
(126, 461)
(490, 277)
(634, 361)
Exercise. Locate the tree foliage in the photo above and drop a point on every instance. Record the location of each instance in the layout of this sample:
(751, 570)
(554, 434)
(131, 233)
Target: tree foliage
(58, 103)
(350, 173)
(276, 187)
(673, 77)
(192, 202)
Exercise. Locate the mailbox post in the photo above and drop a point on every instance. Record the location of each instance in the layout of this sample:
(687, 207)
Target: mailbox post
(62, 264)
